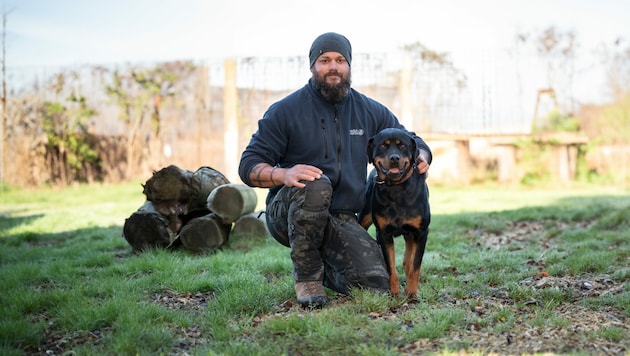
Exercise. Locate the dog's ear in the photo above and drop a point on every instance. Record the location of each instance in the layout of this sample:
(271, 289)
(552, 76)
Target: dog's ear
(415, 151)
(369, 150)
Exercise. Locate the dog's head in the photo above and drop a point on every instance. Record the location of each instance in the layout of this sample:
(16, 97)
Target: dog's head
(393, 153)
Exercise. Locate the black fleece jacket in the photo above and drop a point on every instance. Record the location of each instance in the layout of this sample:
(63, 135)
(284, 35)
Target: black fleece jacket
(303, 128)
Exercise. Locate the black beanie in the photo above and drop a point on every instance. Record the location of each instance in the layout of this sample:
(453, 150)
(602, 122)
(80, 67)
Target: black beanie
(330, 42)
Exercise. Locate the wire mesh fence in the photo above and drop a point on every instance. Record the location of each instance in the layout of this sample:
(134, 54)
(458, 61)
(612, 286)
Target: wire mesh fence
(479, 93)
(492, 91)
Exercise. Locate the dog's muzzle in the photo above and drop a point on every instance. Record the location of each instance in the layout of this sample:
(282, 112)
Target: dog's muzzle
(394, 169)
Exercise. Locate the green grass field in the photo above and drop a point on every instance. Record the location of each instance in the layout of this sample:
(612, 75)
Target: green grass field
(508, 270)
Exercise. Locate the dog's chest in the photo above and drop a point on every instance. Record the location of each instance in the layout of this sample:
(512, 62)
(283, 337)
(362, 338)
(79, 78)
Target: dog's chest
(397, 203)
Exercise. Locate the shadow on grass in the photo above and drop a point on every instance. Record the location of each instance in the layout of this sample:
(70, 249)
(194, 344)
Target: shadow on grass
(9, 222)
(613, 210)
(80, 241)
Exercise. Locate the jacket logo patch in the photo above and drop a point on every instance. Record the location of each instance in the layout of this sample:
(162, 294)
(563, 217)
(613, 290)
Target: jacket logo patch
(356, 132)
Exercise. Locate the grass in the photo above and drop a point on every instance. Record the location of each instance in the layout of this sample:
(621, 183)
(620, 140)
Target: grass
(506, 270)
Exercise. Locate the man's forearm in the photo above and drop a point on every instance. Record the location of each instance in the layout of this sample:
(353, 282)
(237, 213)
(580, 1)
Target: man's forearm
(264, 175)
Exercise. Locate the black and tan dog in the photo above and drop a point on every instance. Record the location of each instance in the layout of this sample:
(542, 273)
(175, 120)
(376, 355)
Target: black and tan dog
(397, 203)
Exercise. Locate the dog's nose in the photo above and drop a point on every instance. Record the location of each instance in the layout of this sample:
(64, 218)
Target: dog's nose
(394, 159)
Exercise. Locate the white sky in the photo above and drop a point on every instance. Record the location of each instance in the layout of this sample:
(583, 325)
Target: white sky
(66, 32)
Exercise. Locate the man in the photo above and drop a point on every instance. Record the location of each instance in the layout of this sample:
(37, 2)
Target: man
(311, 150)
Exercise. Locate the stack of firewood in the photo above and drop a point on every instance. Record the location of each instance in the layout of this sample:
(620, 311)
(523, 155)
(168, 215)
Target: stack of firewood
(197, 210)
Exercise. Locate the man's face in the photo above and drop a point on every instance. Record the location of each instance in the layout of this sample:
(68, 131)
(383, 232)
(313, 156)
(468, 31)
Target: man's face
(331, 73)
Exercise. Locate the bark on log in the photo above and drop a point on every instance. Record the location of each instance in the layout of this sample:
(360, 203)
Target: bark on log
(147, 228)
(204, 180)
(176, 192)
(204, 234)
(250, 226)
(231, 201)
(169, 190)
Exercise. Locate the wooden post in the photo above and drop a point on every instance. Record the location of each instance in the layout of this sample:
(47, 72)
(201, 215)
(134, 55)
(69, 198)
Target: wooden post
(147, 228)
(506, 154)
(250, 226)
(204, 180)
(565, 165)
(170, 192)
(231, 201)
(406, 78)
(204, 234)
(463, 161)
(248, 231)
(230, 120)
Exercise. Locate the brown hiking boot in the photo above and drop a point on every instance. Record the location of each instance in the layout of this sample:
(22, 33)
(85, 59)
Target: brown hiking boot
(311, 294)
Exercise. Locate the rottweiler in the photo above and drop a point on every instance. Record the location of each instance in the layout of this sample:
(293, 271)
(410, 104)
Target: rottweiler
(397, 203)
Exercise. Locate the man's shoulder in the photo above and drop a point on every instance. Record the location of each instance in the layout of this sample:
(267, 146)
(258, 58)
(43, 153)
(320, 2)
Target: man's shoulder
(360, 98)
(286, 108)
(296, 96)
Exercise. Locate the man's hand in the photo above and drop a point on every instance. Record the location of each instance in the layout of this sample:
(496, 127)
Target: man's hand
(423, 165)
(291, 177)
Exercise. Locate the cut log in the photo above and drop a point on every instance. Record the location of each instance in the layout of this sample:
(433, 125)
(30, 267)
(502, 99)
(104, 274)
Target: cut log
(250, 226)
(204, 180)
(147, 228)
(231, 201)
(204, 234)
(170, 192)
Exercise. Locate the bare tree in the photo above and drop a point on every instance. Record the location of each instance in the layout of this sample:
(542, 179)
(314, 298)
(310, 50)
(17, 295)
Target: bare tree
(617, 59)
(140, 95)
(557, 50)
(133, 108)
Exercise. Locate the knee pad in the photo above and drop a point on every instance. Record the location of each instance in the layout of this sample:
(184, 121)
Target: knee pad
(317, 194)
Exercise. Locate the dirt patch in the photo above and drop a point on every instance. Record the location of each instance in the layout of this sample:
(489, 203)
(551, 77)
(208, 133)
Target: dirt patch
(190, 337)
(197, 302)
(59, 343)
(581, 336)
(578, 287)
(576, 328)
(518, 234)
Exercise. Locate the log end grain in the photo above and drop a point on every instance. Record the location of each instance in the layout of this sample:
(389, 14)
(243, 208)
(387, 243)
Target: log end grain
(204, 234)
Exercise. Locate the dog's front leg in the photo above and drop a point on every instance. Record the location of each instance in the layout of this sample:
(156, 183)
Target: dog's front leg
(387, 245)
(415, 244)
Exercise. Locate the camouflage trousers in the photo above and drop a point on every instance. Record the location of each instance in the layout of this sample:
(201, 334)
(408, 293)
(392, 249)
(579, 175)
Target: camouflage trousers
(332, 248)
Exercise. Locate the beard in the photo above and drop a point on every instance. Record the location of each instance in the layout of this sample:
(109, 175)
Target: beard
(332, 93)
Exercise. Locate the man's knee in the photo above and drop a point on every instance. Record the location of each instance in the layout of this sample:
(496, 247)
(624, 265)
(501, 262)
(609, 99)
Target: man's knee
(317, 194)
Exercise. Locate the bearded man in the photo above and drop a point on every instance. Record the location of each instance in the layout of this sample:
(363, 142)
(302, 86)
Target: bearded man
(310, 149)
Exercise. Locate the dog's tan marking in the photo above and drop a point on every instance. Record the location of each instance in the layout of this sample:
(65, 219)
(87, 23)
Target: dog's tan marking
(413, 275)
(394, 284)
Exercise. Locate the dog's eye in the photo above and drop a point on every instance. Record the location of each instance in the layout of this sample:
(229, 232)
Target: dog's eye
(402, 146)
(382, 146)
